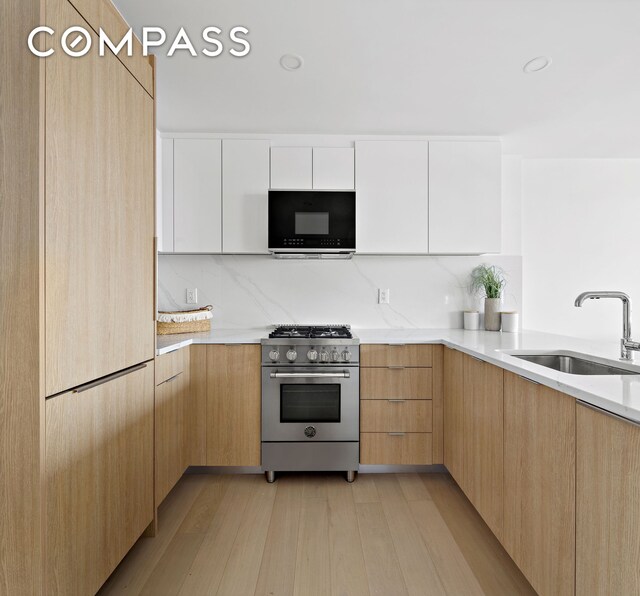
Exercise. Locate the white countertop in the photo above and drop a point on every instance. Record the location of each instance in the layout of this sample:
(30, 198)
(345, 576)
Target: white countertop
(618, 394)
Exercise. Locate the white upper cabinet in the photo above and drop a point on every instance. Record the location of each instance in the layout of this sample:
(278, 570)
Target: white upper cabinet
(197, 195)
(292, 168)
(392, 214)
(333, 168)
(245, 184)
(465, 199)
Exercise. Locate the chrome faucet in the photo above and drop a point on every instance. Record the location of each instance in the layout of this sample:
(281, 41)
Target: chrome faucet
(627, 345)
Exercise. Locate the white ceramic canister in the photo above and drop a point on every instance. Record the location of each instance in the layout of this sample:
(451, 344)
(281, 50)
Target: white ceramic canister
(510, 322)
(471, 320)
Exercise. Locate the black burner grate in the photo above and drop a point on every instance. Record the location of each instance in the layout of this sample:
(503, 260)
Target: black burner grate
(311, 332)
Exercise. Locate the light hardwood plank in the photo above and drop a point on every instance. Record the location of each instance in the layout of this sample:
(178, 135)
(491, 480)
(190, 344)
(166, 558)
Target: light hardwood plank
(413, 487)
(313, 567)
(243, 567)
(453, 570)
(314, 486)
(205, 506)
(269, 540)
(173, 566)
(348, 571)
(383, 570)
(418, 570)
(388, 487)
(278, 567)
(364, 489)
(496, 573)
(135, 569)
(208, 567)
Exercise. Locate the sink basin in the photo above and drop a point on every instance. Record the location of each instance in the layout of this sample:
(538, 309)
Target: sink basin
(575, 365)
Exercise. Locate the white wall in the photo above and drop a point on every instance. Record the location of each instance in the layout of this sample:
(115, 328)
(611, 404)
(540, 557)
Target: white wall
(581, 230)
(256, 291)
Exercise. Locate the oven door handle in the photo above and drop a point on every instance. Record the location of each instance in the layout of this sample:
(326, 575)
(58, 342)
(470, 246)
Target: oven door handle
(310, 375)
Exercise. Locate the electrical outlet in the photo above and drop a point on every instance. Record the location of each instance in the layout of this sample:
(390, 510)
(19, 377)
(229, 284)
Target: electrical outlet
(192, 295)
(383, 296)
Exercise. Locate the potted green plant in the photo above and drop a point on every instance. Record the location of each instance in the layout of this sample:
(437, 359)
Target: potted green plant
(490, 281)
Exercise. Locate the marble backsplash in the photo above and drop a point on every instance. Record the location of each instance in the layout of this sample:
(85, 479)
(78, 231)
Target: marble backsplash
(257, 291)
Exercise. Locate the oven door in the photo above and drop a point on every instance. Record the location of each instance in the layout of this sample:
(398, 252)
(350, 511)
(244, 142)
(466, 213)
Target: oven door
(307, 404)
(312, 221)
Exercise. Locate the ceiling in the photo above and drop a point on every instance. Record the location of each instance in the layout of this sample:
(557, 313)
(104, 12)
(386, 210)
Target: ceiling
(410, 67)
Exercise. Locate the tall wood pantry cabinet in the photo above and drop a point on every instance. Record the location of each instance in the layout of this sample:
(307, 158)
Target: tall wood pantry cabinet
(78, 307)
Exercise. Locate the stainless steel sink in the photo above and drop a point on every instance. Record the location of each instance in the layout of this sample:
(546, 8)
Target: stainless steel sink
(574, 365)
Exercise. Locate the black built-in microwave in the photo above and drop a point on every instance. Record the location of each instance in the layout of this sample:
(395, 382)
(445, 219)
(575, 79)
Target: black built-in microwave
(312, 223)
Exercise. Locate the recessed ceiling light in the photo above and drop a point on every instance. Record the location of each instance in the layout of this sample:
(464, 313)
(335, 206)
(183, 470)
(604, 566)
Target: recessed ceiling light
(537, 64)
(291, 62)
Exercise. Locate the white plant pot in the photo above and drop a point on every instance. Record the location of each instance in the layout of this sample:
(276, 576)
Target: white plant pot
(492, 314)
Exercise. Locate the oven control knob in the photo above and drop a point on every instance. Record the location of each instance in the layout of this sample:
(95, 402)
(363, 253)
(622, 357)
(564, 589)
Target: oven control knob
(346, 356)
(335, 356)
(324, 356)
(274, 355)
(312, 355)
(292, 355)
(310, 432)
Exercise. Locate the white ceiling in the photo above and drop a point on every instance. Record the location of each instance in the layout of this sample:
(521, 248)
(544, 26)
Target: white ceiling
(411, 67)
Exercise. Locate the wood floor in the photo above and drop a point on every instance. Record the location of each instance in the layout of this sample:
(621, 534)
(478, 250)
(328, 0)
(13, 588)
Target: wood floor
(306, 535)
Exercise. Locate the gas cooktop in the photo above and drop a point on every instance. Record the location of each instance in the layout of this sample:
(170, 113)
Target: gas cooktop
(311, 332)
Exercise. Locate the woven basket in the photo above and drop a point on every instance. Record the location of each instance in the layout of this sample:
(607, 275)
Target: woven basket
(163, 328)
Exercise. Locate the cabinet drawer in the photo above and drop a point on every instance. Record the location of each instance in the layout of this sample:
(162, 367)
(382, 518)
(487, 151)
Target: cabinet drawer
(396, 449)
(396, 383)
(381, 415)
(396, 355)
(168, 365)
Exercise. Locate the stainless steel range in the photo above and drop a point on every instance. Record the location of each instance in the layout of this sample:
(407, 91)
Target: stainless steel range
(310, 399)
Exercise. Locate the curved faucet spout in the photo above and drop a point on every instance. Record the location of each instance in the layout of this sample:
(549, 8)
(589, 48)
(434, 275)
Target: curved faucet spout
(626, 344)
(604, 294)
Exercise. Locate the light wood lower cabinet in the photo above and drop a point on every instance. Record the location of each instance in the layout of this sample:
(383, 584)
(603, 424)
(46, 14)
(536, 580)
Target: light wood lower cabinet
(608, 504)
(99, 479)
(233, 405)
(396, 448)
(454, 414)
(396, 383)
(474, 442)
(397, 355)
(401, 404)
(483, 440)
(539, 484)
(171, 414)
(381, 415)
(195, 428)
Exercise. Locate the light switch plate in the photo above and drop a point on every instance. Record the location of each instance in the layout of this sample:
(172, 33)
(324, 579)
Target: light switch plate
(192, 295)
(383, 296)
